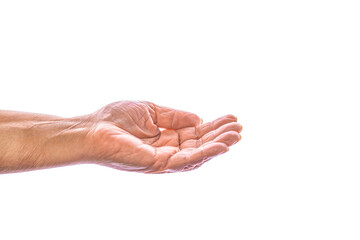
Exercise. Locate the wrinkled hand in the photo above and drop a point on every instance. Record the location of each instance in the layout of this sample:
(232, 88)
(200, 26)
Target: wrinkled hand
(145, 137)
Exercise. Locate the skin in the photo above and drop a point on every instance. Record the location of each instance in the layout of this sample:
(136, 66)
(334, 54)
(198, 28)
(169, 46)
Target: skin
(126, 135)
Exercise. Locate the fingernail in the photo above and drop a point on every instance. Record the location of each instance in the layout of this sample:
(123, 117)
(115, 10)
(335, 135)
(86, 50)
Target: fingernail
(201, 120)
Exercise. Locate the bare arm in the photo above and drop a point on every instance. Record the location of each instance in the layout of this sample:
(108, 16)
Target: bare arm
(124, 135)
(34, 141)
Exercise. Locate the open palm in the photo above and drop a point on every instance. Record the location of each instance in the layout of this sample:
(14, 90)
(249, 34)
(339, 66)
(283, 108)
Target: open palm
(144, 137)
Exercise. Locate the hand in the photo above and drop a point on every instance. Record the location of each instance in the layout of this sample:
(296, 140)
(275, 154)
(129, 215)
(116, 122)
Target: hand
(144, 137)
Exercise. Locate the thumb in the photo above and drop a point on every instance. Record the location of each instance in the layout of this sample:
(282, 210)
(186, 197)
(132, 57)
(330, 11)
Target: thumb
(170, 118)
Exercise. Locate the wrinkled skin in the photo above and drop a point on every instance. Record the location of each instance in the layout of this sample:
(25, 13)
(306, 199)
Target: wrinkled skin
(144, 137)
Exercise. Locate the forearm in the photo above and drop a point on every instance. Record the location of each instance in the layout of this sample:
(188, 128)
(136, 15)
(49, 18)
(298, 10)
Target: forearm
(15, 116)
(34, 141)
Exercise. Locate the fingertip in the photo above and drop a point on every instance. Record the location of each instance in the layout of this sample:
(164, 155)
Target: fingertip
(235, 126)
(228, 138)
(197, 120)
(215, 148)
(224, 147)
(188, 120)
(236, 138)
(231, 116)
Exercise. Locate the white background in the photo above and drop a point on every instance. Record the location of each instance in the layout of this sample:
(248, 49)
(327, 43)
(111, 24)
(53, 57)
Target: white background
(288, 69)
